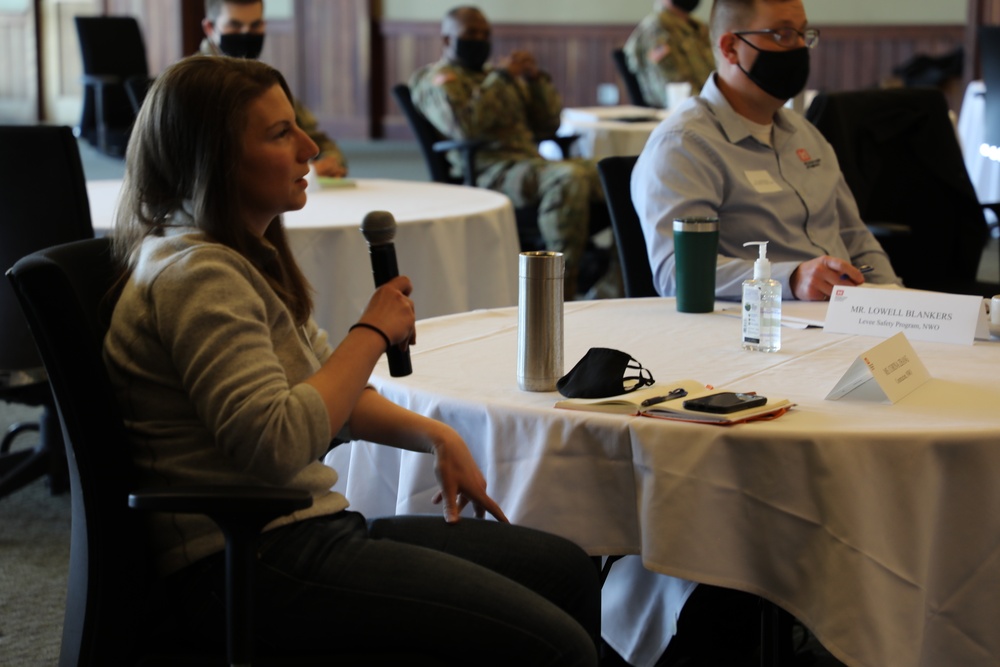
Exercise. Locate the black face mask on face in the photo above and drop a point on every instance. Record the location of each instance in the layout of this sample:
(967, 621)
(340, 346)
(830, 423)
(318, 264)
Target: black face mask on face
(472, 53)
(780, 74)
(685, 5)
(241, 44)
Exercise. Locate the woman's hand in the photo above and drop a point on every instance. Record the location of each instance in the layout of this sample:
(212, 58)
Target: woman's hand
(460, 479)
(377, 419)
(391, 310)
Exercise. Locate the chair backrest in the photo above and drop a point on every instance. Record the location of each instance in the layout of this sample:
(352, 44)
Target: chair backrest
(62, 291)
(112, 50)
(629, 78)
(426, 134)
(616, 177)
(900, 156)
(43, 201)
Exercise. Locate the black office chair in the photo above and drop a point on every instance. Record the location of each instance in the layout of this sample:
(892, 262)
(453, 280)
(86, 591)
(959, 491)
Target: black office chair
(434, 148)
(113, 50)
(903, 163)
(628, 77)
(616, 176)
(32, 218)
(64, 293)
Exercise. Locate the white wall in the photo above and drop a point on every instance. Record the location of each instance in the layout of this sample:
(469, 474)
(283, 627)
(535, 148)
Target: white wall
(821, 12)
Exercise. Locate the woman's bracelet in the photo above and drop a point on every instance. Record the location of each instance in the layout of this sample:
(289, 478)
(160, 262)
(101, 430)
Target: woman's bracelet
(365, 325)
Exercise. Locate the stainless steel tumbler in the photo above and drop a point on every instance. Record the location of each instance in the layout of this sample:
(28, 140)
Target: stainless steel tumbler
(696, 246)
(540, 320)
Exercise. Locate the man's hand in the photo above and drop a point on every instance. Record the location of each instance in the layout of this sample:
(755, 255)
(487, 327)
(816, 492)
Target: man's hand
(520, 64)
(814, 280)
(329, 166)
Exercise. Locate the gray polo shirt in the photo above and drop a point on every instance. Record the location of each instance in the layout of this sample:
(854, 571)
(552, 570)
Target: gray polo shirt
(703, 161)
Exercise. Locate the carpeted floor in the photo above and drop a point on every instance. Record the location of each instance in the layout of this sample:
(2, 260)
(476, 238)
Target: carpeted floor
(34, 556)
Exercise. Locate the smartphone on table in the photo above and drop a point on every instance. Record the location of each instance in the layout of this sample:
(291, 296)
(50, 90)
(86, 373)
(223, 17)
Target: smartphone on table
(725, 402)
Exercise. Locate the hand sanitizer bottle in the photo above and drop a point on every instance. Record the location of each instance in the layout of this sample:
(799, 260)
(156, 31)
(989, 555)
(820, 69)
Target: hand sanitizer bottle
(761, 306)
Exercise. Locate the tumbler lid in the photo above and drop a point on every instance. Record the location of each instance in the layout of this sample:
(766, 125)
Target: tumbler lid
(699, 224)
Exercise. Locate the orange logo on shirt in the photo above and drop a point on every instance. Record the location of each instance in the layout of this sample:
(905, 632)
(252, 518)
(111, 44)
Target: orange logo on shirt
(803, 155)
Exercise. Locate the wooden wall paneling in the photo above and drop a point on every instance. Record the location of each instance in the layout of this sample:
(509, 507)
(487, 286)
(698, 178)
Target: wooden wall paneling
(579, 56)
(160, 23)
(19, 73)
(406, 47)
(858, 57)
(281, 51)
(334, 64)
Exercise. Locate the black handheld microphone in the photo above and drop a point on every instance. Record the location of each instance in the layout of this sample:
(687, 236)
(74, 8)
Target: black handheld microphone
(379, 228)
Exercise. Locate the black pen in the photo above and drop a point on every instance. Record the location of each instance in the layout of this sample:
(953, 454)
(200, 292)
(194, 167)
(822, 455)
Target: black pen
(671, 395)
(864, 268)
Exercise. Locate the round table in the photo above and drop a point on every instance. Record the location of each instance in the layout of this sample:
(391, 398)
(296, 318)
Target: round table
(458, 245)
(876, 524)
(606, 131)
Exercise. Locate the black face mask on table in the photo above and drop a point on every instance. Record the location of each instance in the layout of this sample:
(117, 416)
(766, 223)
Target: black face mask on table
(472, 53)
(241, 44)
(780, 74)
(685, 5)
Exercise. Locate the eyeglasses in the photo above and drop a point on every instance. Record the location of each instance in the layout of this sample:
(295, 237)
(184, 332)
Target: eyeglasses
(787, 37)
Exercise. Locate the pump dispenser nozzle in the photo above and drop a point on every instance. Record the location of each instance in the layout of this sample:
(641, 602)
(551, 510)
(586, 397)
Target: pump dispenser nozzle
(761, 267)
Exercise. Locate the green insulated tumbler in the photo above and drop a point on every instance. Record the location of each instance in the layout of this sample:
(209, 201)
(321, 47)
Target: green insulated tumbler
(696, 244)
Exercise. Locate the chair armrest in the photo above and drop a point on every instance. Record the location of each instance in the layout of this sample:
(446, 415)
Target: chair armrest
(467, 148)
(885, 230)
(241, 512)
(226, 500)
(101, 79)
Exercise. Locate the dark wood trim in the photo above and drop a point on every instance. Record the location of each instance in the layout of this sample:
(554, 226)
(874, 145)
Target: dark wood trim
(192, 12)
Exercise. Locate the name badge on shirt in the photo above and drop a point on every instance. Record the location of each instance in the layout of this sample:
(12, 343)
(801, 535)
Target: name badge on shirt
(762, 181)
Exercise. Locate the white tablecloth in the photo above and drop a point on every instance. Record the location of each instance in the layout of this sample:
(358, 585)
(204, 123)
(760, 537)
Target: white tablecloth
(459, 245)
(607, 131)
(984, 172)
(877, 525)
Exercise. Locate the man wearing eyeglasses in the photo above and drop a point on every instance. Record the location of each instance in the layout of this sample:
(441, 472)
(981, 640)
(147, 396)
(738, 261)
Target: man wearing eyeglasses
(734, 152)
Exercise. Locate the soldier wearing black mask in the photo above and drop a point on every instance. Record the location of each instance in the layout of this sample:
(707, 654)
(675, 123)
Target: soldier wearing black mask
(511, 105)
(236, 28)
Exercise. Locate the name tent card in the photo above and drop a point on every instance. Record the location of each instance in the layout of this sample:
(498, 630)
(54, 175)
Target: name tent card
(930, 316)
(890, 370)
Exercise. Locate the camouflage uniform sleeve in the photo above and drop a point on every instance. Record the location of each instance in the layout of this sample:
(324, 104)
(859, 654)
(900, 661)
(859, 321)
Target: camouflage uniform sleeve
(645, 41)
(457, 104)
(688, 56)
(664, 50)
(327, 146)
(543, 106)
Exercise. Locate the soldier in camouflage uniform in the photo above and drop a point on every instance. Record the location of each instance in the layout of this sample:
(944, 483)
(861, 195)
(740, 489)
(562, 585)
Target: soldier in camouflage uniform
(512, 106)
(669, 46)
(236, 28)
